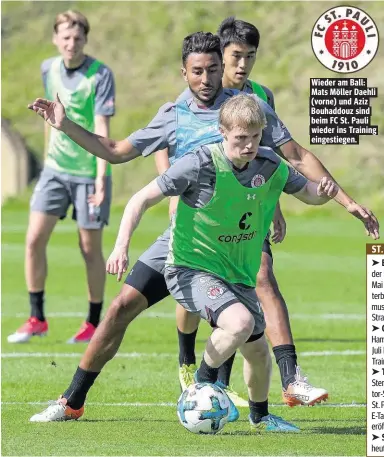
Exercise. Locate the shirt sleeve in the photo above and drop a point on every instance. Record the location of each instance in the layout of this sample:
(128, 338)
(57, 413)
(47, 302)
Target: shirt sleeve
(105, 92)
(295, 182)
(182, 176)
(154, 136)
(186, 95)
(275, 133)
(44, 68)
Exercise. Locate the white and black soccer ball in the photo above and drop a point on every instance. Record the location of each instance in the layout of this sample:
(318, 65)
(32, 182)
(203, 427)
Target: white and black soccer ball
(203, 408)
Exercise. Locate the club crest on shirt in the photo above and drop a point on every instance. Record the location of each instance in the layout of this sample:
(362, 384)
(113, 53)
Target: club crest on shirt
(214, 292)
(257, 181)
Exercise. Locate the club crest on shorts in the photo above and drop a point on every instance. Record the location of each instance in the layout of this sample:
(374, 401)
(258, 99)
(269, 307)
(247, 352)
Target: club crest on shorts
(214, 292)
(257, 181)
(345, 39)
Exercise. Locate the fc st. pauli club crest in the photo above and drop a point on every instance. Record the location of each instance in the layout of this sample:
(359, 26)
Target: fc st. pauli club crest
(345, 39)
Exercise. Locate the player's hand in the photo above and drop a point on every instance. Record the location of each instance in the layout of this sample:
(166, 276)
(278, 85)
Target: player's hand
(98, 197)
(327, 188)
(173, 201)
(279, 226)
(52, 112)
(117, 262)
(366, 216)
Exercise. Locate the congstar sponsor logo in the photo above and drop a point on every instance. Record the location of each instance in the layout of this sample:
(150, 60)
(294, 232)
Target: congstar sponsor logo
(237, 238)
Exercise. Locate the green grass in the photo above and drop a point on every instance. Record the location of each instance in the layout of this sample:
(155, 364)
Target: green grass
(321, 271)
(141, 42)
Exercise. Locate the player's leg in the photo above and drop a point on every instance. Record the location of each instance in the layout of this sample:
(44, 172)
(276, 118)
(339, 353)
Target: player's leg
(207, 295)
(90, 230)
(144, 286)
(296, 389)
(187, 326)
(234, 326)
(257, 375)
(48, 204)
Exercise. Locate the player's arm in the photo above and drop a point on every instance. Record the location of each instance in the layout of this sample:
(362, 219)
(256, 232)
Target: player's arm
(47, 129)
(104, 148)
(279, 223)
(102, 129)
(104, 108)
(318, 193)
(162, 161)
(311, 167)
(150, 195)
(277, 136)
(162, 164)
(181, 176)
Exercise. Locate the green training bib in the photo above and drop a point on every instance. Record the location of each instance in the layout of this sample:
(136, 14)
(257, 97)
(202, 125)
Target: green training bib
(226, 236)
(64, 154)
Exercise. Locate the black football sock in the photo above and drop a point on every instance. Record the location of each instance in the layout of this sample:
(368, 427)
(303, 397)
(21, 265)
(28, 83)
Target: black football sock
(206, 373)
(94, 313)
(225, 371)
(36, 300)
(286, 359)
(76, 393)
(258, 410)
(187, 348)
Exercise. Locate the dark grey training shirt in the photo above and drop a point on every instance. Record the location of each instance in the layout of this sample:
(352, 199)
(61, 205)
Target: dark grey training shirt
(160, 132)
(193, 176)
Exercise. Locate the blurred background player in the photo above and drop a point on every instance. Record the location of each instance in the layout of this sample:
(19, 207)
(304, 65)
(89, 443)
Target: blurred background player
(71, 175)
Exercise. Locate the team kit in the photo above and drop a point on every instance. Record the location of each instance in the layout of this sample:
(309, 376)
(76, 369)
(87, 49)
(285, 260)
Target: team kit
(224, 158)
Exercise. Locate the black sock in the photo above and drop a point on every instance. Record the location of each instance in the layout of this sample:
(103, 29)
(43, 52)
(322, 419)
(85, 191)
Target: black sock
(76, 393)
(94, 313)
(206, 373)
(187, 348)
(286, 359)
(225, 370)
(36, 300)
(258, 410)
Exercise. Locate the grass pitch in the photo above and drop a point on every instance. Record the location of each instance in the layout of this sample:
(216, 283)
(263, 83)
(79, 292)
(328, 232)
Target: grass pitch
(131, 408)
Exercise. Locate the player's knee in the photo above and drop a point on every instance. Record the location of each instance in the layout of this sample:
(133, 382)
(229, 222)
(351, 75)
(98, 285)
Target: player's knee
(35, 241)
(90, 253)
(259, 357)
(125, 307)
(242, 327)
(266, 278)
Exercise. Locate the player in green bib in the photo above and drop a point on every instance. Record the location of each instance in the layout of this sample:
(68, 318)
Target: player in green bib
(217, 235)
(71, 176)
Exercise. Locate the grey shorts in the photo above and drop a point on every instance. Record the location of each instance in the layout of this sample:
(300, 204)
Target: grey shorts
(56, 191)
(205, 294)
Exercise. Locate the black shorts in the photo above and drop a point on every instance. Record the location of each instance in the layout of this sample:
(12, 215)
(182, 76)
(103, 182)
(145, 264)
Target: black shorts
(148, 282)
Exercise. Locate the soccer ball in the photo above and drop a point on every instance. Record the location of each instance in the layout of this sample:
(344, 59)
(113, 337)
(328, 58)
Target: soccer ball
(203, 408)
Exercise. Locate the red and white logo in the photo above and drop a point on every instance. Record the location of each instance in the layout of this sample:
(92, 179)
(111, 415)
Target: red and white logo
(214, 292)
(257, 181)
(345, 39)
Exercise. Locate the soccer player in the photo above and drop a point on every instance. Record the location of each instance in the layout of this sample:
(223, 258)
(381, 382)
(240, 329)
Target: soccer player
(71, 175)
(180, 128)
(217, 235)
